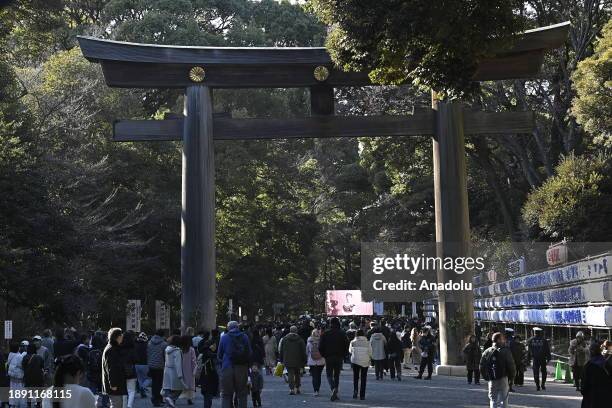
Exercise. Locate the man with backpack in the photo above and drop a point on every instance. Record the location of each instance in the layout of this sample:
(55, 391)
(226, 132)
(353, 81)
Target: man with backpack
(235, 356)
(496, 367)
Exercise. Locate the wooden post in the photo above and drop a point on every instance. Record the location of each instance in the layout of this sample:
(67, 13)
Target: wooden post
(456, 310)
(198, 212)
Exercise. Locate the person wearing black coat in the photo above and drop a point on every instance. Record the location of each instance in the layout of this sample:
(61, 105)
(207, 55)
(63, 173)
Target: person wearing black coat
(596, 387)
(209, 377)
(33, 368)
(394, 355)
(259, 352)
(128, 353)
(333, 346)
(113, 369)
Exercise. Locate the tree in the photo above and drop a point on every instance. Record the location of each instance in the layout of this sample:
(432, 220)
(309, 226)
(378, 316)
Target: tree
(592, 106)
(576, 203)
(434, 44)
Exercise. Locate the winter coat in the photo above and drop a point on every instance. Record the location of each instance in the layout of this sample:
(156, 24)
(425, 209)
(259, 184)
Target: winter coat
(472, 355)
(596, 386)
(129, 357)
(578, 352)
(507, 361)
(173, 369)
(259, 353)
(427, 344)
(257, 380)
(155, 352)
(189, 366)
(33, 370)
(15, 368)
(379, 344)
(394, 348)
(312, 344)
(293, 351)
(113, 371)
(271, 349)
(415, 354)
(539, 349)
(140, 352)
(333, 345)
(209, 378)
(361, 351)
(226, 346)
(406, 341)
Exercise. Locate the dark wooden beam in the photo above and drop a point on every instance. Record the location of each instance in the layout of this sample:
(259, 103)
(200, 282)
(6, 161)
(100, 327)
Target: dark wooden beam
(133, 65)
(421, 123)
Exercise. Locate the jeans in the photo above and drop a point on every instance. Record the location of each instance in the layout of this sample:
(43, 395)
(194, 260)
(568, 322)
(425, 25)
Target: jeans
(234, 381)
(426, 361)
(315, 373)
(475, 373)
(539, 366)
(395, 365)
(157, 379)
(128, 400)
(116, 401)
(360, 378)
(379, 368)
(498, 393)
(142, 373)
(295, 377)
(333, 372)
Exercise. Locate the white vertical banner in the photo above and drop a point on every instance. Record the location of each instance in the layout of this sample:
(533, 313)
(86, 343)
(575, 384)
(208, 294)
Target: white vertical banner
(134, 311)
(162, 315)
(8, 329)
(414, 309)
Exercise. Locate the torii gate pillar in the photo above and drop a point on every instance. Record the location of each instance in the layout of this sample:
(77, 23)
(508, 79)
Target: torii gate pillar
(456, 310)
(198, 272)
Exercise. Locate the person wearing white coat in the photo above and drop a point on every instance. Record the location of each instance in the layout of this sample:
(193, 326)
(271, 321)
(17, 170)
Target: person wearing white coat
(173, 384)
(316, 361)
(378, 341)
(361, 356)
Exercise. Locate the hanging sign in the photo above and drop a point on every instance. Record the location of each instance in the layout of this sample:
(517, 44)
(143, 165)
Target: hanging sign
(8, 329)
(134, 311)
(162, 315)
(557, 254)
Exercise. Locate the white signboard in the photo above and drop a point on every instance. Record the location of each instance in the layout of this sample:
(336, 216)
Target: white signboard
(557, 254)
(162, 315)
(134, 311)
(8, 329)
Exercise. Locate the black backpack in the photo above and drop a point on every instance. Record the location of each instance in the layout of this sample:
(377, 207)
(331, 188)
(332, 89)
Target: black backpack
(495, 365)
(240, 351)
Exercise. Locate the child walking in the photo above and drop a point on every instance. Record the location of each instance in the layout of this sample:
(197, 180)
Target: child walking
(256, 380)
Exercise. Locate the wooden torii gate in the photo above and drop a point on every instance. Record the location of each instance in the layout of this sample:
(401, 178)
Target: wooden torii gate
(199, 70)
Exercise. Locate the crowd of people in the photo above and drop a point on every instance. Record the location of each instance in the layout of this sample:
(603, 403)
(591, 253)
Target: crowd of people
(108, 369)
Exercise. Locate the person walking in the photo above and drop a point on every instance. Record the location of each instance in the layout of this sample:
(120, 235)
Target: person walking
(47, 357)
(427, 344)
(114, 383)
(207, 365)
(15, 370)
(538, 350)
(415, 353)
(271, 351)
(333, 347)
(596, 385)
(394, 355)
(140, 364)
(472, 355)
(293, 356)
(361, 357)
(259, 353)
(155, 360)
(496, 367)
(256, 382)
(173, 383)
(579, 355)
(406, 346)
(234, 353)
(70, 369)
(378, 342)
(128, 353)
(316, 361)
(188, 355)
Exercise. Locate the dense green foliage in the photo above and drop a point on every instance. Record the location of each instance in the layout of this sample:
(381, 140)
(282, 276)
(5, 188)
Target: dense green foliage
(86, 223)
(434, 44)
(593, 81)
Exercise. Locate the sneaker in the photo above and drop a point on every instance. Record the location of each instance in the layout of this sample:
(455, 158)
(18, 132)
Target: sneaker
(316, 393)
(537, 388)
(543, 387)
(418, 377)
(169, 402)
(291, 392)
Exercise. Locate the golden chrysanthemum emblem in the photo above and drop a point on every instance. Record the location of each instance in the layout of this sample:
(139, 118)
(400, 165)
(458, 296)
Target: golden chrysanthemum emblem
(197, 74)
(321, 73)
